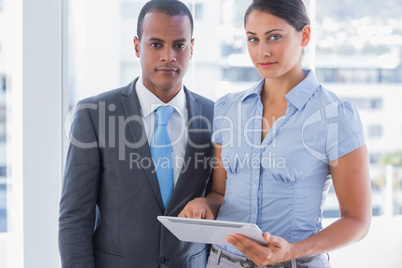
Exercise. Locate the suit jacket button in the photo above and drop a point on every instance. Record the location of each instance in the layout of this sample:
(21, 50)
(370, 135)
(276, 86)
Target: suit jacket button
(163, 260)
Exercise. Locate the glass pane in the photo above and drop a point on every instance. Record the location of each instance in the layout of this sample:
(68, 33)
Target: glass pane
(3, 124)
(356, 53)
(101, 54)
(359, 57)
(4, 137)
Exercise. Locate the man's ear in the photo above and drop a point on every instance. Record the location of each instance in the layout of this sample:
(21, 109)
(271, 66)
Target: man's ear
(137, 46)
(192, 47)
(306, 35)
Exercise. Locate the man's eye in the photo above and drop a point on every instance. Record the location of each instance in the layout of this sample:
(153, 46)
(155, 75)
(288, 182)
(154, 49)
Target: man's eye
(180, 46)
(155, 45)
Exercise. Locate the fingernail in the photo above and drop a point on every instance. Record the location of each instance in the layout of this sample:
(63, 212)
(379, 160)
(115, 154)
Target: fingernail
(229, 239)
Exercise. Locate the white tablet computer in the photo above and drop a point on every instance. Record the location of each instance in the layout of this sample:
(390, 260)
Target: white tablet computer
(210, 231)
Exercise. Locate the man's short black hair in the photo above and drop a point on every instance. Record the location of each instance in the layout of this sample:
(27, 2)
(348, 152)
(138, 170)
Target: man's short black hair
(167, 7)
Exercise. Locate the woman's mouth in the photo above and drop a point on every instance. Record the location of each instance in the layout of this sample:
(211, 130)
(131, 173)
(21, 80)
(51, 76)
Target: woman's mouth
(266, 64)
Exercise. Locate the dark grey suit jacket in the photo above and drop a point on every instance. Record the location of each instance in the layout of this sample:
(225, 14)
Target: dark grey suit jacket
(111, 198)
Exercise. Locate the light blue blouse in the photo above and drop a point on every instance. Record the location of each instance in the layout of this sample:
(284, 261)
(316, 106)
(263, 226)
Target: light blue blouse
(281, 184)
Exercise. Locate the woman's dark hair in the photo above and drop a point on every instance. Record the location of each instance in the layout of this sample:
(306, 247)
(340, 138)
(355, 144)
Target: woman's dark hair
(292, 11)
(167, 7)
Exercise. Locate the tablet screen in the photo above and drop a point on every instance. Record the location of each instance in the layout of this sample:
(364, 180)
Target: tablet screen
(210, 231)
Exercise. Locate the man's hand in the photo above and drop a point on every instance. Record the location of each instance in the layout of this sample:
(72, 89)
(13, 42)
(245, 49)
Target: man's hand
(198, 209)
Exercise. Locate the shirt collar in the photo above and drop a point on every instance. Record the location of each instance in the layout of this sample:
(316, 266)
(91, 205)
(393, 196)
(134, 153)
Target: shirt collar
(149, 101)
(301, 93)
(298, 96)
(255, 90)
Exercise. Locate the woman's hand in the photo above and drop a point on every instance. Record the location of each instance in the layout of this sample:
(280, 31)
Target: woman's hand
(277, 250)
(198, 209)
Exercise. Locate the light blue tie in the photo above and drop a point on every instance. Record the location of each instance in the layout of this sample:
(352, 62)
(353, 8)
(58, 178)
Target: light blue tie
(162, 153)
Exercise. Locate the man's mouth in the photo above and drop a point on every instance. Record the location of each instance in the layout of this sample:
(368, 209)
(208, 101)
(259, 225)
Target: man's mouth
(166, 69)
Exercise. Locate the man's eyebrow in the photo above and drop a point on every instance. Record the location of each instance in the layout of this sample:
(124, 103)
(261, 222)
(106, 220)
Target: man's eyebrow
(155, 39)
(180, 40)
(270, 31)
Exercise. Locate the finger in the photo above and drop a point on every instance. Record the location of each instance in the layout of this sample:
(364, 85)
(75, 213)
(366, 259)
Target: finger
(252, 251)
(249, 248)
(209, 215)
(275, 241)
(197, 213)
(267, 236)
(182, 214)
(185, 213)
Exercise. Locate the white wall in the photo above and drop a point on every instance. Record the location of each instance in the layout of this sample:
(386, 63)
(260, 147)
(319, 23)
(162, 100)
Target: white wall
(35, 61)
(381, 247)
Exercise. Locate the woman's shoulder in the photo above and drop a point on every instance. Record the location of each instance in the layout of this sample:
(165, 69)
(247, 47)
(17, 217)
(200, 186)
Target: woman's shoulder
(328, 100)
(229, 102)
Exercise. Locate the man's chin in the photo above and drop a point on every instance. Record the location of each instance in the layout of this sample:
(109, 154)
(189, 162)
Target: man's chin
(171, 87)
(169, 84)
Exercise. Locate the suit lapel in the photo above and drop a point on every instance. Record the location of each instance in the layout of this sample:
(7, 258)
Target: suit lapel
(131, 106)
(194, 110)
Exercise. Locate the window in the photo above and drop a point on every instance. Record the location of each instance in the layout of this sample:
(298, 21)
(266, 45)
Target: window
(367, 103)
(3, 152)
(3, 127)
(357, 49)
(130, 10)
(198, 12)
(2, 82)
(240, 74)
(4, 149)
(31, 114)
(375, 158)
(358, 42)
(357, 75)
(374, 131)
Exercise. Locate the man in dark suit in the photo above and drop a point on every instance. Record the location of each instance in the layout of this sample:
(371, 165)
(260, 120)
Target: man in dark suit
(115, 185)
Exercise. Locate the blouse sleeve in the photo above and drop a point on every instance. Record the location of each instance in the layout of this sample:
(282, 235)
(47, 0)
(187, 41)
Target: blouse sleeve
(344, 131)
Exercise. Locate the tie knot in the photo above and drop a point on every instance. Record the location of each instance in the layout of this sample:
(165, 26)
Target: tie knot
(163, 115)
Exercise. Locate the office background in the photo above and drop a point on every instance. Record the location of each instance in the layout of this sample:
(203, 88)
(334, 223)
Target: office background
(55, 52)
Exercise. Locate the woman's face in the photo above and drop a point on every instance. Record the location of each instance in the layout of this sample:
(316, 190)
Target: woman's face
(275, 47)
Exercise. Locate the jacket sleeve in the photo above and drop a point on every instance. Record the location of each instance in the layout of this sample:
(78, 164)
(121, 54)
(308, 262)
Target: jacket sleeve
(79, 193)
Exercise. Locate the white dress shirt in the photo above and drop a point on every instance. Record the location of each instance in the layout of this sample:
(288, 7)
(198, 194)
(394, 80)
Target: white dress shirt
(177, 125)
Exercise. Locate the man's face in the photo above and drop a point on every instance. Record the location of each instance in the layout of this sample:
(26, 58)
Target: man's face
(165, 50)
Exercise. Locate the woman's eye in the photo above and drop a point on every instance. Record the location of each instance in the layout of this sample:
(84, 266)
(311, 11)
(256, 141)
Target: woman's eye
(274, 37)
(252, 39)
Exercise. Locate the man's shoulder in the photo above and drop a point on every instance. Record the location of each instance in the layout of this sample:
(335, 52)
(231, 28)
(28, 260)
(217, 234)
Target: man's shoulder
(110, 95)
(201, 99)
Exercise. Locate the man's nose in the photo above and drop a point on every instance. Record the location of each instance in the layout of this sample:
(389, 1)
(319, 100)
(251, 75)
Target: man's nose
(168, 55)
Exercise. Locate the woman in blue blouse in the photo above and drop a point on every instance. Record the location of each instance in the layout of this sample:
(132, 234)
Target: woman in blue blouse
(278, 146)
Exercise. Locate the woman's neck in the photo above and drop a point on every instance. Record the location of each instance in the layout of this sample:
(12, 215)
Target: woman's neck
(277, 88)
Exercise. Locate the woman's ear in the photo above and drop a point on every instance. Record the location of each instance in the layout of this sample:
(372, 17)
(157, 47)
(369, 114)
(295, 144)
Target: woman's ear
(306, 35)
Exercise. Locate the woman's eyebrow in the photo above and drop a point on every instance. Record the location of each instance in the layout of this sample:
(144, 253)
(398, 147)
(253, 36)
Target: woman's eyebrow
(270, 31)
